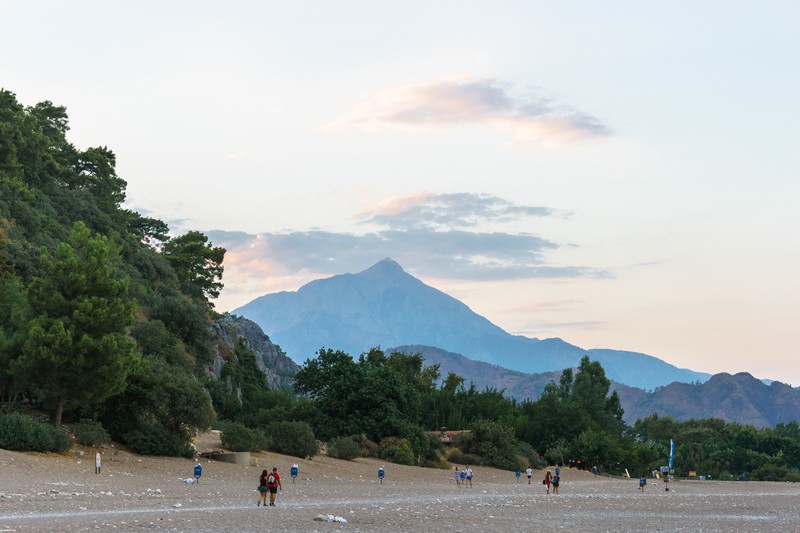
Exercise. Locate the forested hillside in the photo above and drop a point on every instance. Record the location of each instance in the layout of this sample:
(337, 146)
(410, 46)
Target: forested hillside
(103, 315)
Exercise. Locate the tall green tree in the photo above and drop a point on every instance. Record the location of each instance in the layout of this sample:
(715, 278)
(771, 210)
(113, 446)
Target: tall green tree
(78, 351)
(197, 264)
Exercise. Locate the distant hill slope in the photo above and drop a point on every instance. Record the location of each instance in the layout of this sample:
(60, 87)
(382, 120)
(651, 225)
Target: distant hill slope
(733, 398)
(517, 385)
(740, 398)
(385, 306)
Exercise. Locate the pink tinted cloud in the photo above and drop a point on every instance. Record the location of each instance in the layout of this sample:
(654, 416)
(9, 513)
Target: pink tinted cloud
(529, 118)
(395, 205)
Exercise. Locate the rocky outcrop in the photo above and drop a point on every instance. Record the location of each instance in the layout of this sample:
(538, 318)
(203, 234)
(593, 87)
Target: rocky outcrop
(230, 330)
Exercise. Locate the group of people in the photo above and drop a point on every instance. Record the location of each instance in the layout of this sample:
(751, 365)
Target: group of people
(463, 477)
(269, 483)
(549, 480)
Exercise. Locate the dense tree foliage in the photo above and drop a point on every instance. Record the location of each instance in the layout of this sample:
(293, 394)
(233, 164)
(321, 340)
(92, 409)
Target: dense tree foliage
(100, 316)
(197, 264)
(77, 352)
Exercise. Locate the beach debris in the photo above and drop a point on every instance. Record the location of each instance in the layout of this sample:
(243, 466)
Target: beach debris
(330, 518)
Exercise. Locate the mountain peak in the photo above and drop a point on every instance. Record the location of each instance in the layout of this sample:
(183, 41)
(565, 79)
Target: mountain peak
(384, 267)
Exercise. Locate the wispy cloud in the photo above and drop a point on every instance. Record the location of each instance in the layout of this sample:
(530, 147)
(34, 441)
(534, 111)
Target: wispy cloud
(434, 235)
(447, 211)
(529, 117)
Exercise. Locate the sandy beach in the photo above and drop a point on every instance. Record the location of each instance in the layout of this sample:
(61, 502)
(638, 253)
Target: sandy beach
(40, 492)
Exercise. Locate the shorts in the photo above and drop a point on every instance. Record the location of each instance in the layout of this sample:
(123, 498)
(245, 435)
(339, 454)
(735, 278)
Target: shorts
(262, 488)
(273, 490)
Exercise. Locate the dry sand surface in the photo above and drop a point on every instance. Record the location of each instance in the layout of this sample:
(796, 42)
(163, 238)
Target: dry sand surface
(132, 493)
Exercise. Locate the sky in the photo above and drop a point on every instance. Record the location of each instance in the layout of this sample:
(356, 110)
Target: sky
(618, 174)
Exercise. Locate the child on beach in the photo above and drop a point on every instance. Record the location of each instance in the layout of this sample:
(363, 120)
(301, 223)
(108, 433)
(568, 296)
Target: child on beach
(642, 483)
(458, 477)
(529, 472)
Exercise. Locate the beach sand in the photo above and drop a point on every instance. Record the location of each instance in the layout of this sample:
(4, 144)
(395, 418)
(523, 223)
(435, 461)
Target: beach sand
(43, 492)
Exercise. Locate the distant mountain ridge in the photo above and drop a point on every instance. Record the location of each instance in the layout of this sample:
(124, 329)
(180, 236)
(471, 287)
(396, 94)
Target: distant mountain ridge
(385, 306)
(739, 398)
(733, 398)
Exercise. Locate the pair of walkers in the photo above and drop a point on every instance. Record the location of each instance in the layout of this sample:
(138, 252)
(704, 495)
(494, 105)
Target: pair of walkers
(553, 481)
(269, 483)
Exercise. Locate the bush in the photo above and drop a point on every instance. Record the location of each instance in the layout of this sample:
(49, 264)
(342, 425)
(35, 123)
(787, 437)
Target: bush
(343, 448)
(527, 456)
(456, 456)
(493, 441)
(369, 448)
(769, 472)
(239, 438)
(293, 438)
(396, 450)
(90, 433)
(158, 440)
(22, 433)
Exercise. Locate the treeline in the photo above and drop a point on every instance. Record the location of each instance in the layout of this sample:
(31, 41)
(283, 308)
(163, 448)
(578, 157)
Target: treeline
(104, 326)
(575, 422)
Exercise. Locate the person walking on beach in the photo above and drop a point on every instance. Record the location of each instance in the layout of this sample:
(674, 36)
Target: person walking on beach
(469, 476)
(642, 483)
(262, 488)
(548, 478)
(463, 475)
(273, 484)
(458, 477)
(556, 481)
(529, 472)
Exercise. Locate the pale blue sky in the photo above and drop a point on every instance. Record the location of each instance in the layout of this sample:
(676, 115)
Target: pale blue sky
(618, 174)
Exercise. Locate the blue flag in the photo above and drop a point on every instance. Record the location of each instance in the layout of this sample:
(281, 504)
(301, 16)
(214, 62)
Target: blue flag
(671, 452)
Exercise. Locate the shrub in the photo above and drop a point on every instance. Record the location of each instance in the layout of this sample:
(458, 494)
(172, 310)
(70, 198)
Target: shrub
(769, 472)
(493, 441)
(456, 456)
(792, 476)
(293, 438)
(527, 456)
(343, 448)
(90, 433)
(396, 450)
(237, 437)
(369, 448)
(22, 433)
(158, 440)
